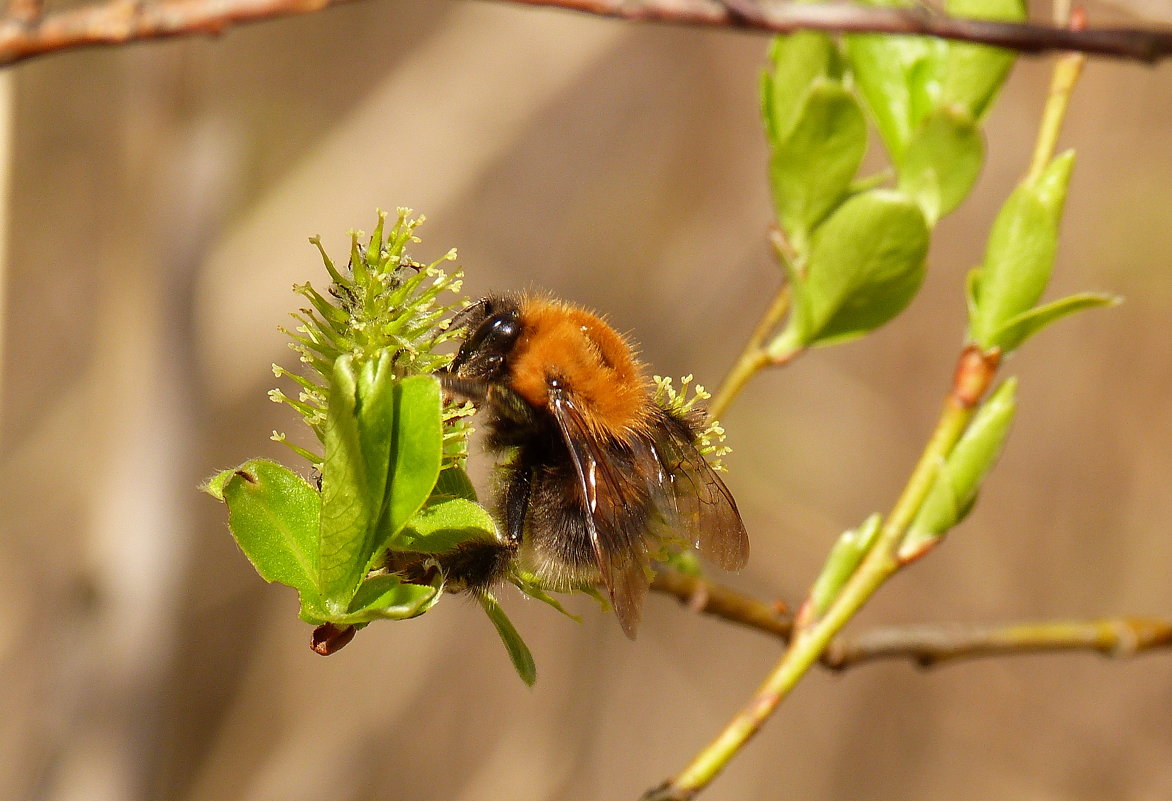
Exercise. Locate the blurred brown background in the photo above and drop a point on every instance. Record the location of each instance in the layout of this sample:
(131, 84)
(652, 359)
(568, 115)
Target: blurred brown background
(159, 201)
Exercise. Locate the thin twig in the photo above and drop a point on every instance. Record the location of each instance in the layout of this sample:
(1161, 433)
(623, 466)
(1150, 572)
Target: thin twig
(709, 598)
(755, 356)
(785, 17)
(1066, 74)
(123, 21)
(931, 645)
(25, 32)
(925, 645)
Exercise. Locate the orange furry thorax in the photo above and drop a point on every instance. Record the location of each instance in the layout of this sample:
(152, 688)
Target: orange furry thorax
(594, 362)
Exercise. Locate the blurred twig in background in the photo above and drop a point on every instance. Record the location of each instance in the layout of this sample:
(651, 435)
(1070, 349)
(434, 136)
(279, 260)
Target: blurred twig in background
(25, 32)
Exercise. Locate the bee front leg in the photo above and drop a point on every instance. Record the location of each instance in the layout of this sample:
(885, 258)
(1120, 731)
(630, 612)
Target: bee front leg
(515, 502)
(506, 403)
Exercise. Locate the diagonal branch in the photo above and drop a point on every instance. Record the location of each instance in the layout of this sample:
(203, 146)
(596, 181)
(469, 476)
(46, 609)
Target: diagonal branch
(25, 32)
(926, 645)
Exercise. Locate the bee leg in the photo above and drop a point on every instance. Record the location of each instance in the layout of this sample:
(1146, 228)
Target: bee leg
(502, 400)
(515, 503)
(479, 564)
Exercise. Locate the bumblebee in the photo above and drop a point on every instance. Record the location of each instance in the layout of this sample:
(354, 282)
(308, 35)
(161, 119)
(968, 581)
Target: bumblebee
(593, 478)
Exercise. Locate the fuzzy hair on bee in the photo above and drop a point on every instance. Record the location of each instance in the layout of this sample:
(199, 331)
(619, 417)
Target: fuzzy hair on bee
(593, 478)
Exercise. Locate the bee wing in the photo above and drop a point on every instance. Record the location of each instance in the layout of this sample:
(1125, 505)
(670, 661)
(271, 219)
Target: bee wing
(619, 551)
(697, 503)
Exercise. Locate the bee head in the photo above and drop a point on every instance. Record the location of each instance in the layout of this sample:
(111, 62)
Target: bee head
(493, 326)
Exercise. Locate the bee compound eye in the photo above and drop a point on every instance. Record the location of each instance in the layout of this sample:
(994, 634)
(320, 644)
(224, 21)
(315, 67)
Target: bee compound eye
(502, 329)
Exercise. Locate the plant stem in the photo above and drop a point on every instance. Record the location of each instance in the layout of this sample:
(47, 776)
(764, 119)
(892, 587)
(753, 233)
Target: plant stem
(933, 645)
(974, 373)
(701, 595)
(812, 635)
(927, 645)
(1066, 74)
(754, 357)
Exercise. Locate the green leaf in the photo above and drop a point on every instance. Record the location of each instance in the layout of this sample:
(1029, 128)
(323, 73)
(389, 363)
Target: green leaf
(374, 410)
(416, 454)
(876, 66)
(811, 168)
(795, 62)
(973, 74)
(898, 77)
(387, 597)
(1028, 323)
(439, 527)
(518, 651)
(905, 79)
(383, 448)
(273, 514)
(959, 479)
(844, 557)
(866, 264)
(348, 509)
(215, 485)
(942, 162)
(923, 80)
(972, 291)
(1052, 183)
(1020, 255)
(538, 593)
(453, 482)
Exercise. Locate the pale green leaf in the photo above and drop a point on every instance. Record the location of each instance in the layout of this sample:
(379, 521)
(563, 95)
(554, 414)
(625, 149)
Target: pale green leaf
(442, 525)
(1020, 255)
(973, 74)
(942, 162)
(273, 514)
(796, 61)
(959, 479)
(518, 651)
(812, 167)
(866, 264)
(1020, 328)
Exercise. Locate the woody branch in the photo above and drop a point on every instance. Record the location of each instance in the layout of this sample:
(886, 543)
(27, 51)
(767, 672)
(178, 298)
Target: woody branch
(26, 32)
(926, 645)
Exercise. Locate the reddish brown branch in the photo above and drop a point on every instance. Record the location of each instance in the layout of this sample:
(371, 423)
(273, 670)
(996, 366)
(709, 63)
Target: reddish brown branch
(122, 21)
(838, 17)
(926, 645)
(25, 32)
(720, 601)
